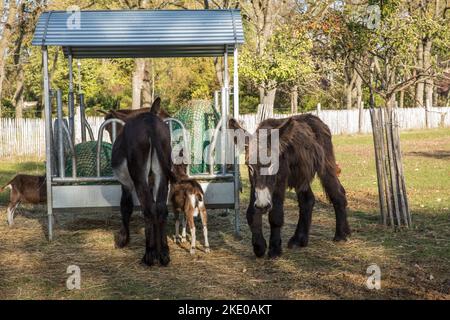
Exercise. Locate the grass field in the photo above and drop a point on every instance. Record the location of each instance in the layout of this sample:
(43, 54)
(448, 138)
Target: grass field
(414, 263)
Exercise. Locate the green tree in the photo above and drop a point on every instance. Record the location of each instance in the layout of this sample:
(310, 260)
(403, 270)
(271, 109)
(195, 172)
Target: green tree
(286, 59)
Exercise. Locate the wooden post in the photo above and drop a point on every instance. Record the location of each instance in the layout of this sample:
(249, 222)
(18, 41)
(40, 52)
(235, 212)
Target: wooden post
(385, 168)
(392, 168)
(402, 185)
(379, 165)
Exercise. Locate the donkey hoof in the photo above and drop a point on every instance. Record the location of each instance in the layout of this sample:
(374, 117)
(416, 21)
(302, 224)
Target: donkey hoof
(275, 253)
(183, 240)
(121, 240)
(149, 258)
(207, 250)
(164, 259)
(301, 242)
(260, 249)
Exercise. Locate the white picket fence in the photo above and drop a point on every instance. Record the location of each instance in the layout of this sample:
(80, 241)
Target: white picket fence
(26, 137)
(347, 121)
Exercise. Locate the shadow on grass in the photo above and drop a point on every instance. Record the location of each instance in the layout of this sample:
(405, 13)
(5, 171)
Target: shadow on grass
(438, 154)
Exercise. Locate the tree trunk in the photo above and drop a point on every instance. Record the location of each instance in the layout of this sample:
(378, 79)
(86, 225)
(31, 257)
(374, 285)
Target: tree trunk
(267, 97)
(401, 103)
(348, 96)
(420, 85)
(350, 83)
(19, 108)
(359, 103)
(18, 95)
(4, 44)
(138, 81)
(147, 88)
(359, 92)
(219, 71)
(294, 99)
(427, 66)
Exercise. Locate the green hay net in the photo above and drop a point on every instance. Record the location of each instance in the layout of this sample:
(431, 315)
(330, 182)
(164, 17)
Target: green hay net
(87, 160)
(200, 119)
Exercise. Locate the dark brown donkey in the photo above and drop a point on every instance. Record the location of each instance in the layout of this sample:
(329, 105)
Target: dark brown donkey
(143, 149)
(305, 148)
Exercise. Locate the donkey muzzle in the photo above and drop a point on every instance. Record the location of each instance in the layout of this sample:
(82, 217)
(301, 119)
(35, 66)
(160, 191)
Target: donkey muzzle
(263, 200)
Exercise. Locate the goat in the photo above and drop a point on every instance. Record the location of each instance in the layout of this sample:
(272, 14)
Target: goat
(26, 189)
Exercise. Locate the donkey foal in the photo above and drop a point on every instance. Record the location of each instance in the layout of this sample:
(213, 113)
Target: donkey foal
(187, 198)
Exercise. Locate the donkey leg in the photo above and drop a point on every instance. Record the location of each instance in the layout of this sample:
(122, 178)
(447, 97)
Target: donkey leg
(306, 202)
(254, 220)
(14, 201)
(191, 225)
(126, 209)
(183, 231)
(163, 212)
(11, 212)
(276, 220)
(336, 193)
(151, 251)
(177, 227)
(145, 195)
(204, 217)
(161, 190)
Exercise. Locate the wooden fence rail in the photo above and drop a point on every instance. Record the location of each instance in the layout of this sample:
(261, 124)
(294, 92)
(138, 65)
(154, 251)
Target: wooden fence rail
(25, 137)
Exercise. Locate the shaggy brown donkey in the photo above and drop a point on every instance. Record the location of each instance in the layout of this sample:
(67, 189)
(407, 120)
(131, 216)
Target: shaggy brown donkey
(25, 189)
(143, 148)
(187, 198)
(305, 148)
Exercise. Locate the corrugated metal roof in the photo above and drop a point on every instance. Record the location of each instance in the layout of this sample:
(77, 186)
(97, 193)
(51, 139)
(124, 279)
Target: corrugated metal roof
(141, 33)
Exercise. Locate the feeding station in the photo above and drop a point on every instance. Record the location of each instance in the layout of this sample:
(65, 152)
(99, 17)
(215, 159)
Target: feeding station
(133, 34)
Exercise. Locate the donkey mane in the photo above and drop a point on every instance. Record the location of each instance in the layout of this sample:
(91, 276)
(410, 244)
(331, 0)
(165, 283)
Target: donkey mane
(304, 147)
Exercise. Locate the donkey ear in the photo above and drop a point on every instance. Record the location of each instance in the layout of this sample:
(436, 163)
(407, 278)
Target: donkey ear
(114, 114)
(234, 125)
(156, 106)
(285, 128)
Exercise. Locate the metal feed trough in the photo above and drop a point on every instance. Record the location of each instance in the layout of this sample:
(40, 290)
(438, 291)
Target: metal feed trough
(133, 34)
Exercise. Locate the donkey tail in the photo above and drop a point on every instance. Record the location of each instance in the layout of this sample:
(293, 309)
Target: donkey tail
(165, 161)
(8, 185)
